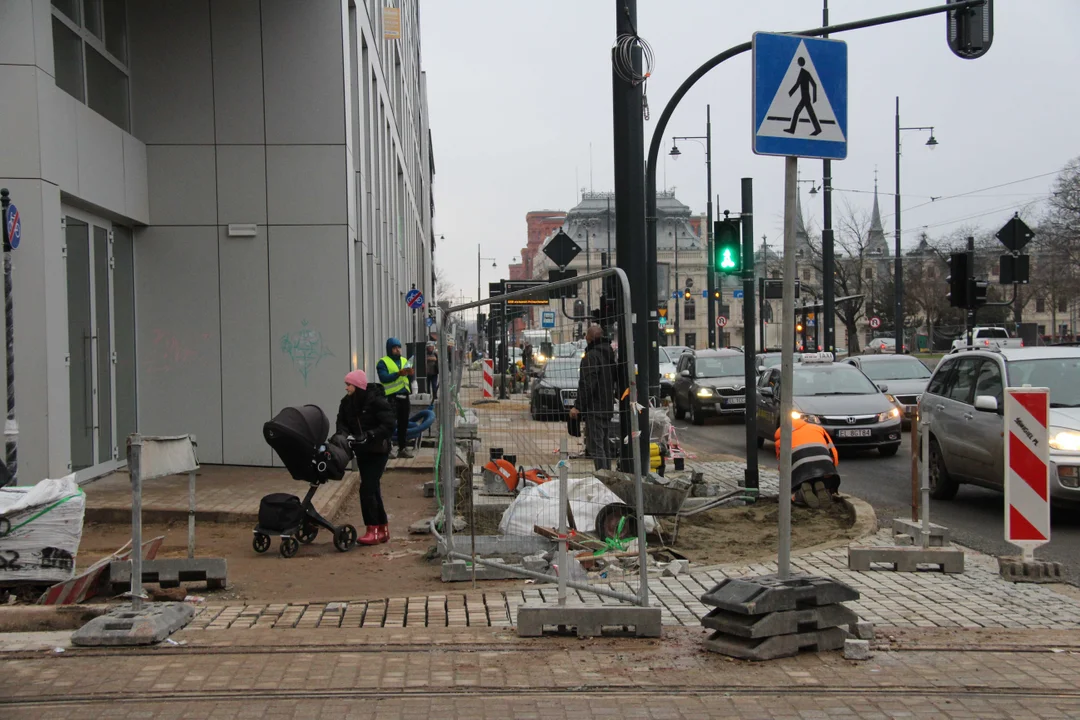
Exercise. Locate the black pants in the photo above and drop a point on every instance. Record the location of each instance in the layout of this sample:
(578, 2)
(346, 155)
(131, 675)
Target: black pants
(402, 402)
(371, 505)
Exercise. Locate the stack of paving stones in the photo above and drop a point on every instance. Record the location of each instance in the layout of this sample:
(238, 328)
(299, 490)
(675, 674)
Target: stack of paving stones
(764, 618)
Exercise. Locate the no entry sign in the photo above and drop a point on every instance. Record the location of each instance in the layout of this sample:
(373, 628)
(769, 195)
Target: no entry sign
(1027, 467)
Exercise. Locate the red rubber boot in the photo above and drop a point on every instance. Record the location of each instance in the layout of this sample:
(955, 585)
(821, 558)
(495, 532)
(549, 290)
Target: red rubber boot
(371, 537)
(384, 533)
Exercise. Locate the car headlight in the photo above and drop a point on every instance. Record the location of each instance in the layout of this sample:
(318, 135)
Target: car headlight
(891, 414)
(1064, 439)
(704, 392)
(670, 376)
(814, 419)
(540, 357)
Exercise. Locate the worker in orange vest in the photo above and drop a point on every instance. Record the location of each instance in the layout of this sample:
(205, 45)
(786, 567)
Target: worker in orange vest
(814, 479)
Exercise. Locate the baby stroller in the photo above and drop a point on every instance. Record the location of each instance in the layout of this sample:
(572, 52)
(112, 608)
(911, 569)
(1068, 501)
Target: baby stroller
(298, 436)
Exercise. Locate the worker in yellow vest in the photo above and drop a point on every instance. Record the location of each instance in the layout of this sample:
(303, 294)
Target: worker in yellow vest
(397, 384)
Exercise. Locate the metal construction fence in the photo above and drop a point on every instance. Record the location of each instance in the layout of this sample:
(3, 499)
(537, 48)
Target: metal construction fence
(543, 478)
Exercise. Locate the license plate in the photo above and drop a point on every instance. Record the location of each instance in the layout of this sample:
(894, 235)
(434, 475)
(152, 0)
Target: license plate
(568, 402)
(740, 400)
(855, 433)
(910, 409)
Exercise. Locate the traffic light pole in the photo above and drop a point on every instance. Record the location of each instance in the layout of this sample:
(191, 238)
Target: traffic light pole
(710, 257)
(828, 246)
(746, 218)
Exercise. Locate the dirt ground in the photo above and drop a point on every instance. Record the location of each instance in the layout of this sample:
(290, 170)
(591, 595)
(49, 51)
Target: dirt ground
(749, 534)
(401, 567)
(318, 571)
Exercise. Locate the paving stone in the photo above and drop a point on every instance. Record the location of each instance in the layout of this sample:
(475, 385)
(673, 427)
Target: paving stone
(856, 649)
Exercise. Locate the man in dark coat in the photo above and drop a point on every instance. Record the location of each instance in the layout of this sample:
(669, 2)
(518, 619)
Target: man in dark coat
(596, 396)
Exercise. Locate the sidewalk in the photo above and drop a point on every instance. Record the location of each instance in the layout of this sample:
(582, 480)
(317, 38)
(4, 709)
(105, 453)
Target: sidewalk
(223, 493)
(489, 674)
(978, 598)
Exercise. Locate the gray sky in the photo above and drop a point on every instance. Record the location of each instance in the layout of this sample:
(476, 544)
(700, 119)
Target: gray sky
(519, 90)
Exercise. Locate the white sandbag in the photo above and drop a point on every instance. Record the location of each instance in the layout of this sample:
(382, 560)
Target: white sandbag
(539, 505)
(40, 530)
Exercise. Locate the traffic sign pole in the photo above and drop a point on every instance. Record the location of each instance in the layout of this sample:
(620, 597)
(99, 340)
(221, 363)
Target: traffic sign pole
(12, 232)
(787, 366)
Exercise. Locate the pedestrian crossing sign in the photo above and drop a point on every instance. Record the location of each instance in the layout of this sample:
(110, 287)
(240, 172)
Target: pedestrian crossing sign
(799, 96)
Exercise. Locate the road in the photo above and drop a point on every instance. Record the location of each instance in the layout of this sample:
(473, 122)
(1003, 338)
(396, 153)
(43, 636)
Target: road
(974, 517)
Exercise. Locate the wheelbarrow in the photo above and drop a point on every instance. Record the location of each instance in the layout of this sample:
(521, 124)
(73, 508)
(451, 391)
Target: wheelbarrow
(657, 500)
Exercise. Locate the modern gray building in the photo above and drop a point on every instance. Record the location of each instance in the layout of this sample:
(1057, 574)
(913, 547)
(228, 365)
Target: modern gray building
(224, 203)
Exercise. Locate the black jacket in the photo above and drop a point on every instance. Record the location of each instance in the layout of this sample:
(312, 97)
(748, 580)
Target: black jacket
(366, 414)
(597, 382)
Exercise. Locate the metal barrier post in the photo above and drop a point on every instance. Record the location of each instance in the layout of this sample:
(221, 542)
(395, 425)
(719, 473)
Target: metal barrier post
(924, 505)
(564, 562)
(135, 470)
(447, 459)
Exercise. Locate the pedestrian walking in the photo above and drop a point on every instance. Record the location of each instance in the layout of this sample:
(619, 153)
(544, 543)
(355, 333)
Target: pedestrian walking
(814, 478)
(433, 370)
(596, 396)
(396, 378)
(365, 418)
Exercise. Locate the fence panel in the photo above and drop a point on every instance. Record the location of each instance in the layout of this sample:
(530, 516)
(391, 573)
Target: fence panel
(563, 386)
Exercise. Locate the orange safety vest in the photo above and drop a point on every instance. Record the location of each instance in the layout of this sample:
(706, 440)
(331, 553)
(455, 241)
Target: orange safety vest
(804, 434)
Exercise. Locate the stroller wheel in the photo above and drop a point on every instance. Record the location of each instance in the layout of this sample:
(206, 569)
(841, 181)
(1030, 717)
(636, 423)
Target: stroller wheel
(345, 538)
(261, 542)
(289, 546)
(308, 533)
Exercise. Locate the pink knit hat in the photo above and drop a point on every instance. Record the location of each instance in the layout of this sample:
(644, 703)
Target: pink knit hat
(357, 378)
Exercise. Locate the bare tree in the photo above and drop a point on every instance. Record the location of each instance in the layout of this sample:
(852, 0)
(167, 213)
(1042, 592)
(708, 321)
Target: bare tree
(443, 286)
(858, 269)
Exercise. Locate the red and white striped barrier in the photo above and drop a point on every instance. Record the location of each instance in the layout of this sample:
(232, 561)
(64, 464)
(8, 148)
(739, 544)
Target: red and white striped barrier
(85, 585)
(489, 378)
(1027, 467)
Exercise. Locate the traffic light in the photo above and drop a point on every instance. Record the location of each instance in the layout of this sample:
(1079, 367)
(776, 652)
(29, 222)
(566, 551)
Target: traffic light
(728, 246)
(970, 31)
(686, 294)
(959, 277)
(716, 294)
(799, 327)
(978, 292)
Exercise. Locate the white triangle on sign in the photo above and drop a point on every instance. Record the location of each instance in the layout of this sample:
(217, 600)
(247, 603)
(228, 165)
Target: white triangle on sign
(801, 92)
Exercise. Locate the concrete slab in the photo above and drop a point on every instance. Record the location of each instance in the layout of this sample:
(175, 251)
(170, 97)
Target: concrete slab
(589, 621)
(126, 626)
(170, 572)
(939, 534)
(768, 593)
(777, 646)
(461, 571)
(493, 545)
(856, 649)
(784, 622)
(1015, 569)
(906, 559)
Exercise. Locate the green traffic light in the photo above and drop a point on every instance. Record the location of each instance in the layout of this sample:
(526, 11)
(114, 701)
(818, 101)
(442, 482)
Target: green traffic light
(726, 263)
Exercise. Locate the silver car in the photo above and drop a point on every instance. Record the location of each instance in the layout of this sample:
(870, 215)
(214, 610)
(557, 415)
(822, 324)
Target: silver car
(905, 377)
(964, 403)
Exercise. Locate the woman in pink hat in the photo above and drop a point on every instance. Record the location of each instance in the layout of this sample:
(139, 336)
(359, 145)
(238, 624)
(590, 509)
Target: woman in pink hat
(364, 415)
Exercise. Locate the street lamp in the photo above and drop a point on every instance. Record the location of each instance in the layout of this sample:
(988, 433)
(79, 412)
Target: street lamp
(713, 282)
(813, 188)
(494, 264)
(899, 278)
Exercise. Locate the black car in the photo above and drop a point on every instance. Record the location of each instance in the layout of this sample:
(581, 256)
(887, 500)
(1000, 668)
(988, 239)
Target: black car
(770, 359)
(709, 382)
(554, 392)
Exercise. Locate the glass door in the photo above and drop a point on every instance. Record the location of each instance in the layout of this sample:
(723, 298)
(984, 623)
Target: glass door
(101, 341)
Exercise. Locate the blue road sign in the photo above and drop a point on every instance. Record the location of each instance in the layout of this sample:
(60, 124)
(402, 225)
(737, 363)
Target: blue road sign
(674, 294)
(800, 96)
(737, 294)
(14, 223)
(429, 321)
(547, 319)
(414, 299)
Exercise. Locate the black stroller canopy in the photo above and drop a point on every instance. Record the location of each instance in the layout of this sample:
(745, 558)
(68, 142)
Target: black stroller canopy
(307, 423)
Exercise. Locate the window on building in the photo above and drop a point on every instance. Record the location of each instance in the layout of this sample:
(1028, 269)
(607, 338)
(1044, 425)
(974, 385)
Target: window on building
(1063, 306)
(806, 275)
(91, 55)
(1040, 306)
(869, 273)
(691, 340)
(689, 310)
(1041, 330)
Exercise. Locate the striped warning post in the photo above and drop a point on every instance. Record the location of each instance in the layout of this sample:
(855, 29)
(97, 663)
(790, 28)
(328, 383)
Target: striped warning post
(1027, 467)
(489, 378)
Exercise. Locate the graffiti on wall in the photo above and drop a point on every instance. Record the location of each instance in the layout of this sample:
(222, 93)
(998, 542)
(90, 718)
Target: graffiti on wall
(305, 348)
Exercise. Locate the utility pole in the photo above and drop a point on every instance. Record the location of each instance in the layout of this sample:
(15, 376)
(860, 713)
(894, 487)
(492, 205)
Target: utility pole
(715, 282)
(828, 252)
(630, 242)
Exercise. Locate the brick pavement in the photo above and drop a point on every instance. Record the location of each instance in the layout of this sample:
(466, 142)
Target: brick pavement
(978, 598)
(222, 494)
(488, 673)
